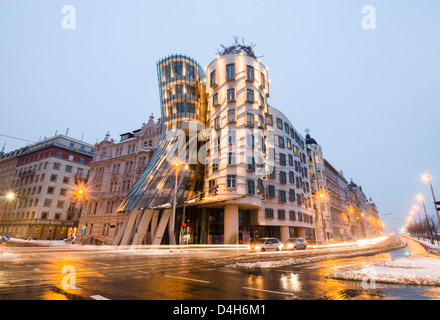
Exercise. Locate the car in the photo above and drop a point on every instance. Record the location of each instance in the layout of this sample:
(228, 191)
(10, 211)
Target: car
(266, 244)
(295, 244)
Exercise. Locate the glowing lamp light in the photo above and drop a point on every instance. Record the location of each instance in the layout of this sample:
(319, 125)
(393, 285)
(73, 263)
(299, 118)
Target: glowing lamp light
(10, 196)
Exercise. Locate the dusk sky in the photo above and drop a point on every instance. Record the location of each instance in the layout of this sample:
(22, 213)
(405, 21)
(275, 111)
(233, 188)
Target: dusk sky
(370, 97)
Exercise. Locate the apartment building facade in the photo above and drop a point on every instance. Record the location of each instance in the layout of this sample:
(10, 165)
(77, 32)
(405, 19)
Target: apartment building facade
(46, 176)
(115, 167)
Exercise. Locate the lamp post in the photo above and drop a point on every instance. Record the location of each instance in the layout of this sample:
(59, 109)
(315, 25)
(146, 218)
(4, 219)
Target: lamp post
(420, 197)
(173, 218)
(427, 177)
(79, 195)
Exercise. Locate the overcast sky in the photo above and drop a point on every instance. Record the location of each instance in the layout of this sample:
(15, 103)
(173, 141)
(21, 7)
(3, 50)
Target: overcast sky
(370, 97)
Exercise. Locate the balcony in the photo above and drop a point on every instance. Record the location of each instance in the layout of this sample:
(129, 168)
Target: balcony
(27, 173)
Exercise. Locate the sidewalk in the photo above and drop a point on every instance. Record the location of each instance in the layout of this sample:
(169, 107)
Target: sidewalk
(426, 243)
(419, 268)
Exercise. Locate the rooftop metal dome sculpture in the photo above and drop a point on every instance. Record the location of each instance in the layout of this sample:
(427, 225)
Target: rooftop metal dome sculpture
(238, 47)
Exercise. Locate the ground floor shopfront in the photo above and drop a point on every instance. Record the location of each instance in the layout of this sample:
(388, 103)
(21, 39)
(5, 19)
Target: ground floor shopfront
(40, 229)
(212, 226)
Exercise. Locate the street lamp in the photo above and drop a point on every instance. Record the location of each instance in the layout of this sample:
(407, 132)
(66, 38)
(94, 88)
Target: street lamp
(427, 177)
(420, 198)
(10, 196)
(176, 165)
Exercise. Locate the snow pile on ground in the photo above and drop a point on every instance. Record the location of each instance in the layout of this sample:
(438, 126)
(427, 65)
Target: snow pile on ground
(266, 264)
(5, 256)
(405, 270)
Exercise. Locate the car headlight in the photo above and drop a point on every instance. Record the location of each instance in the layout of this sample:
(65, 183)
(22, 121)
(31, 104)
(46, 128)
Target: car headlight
(257, 247)
(290, 246)
(281, 245)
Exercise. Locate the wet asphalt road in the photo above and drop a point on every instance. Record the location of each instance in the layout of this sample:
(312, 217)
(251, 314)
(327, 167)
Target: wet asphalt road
(61, 273)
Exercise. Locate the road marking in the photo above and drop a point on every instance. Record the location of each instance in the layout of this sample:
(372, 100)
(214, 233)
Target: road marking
(142, 271)
(104, 264)
(99, 297)
(319, 267)
(269, 291)
(289, 271)
(189, 279)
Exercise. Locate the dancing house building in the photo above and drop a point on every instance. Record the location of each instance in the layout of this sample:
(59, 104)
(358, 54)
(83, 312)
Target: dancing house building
(228, 168)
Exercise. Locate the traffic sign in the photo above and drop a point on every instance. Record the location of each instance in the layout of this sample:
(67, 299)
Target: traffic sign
(83, 231)
(5, 237)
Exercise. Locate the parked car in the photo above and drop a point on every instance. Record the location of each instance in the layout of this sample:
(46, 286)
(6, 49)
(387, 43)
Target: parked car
(266, 244)
(295, 244)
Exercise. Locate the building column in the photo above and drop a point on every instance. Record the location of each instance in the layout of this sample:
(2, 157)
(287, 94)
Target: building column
(230, 225)
(285, 234)
(301, 232)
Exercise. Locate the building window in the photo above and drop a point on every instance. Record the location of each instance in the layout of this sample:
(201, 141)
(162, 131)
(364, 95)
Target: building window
(231, 94)
(69, 169)
(291, 177)
(217, 123)
(283, 177)
(263, 80)
(47, 202)
(272, 173)
(291, 195)
(282, 194)
(269, 119)
(50, 190)
(249, 119)
(231, 158)
(56, 166)
(213, 81)
(215, 164)
(230, 71)
(286, 128)
(178, 68)
(281, 142)
(215, 100)
(290, 160)
(282, 159)
(231, 181)
(292, 215)
(53, 177)
(270, 191)
(250, 187)
(260, 187)
(280, 123)
(281, 214)
(269, 213)
(250, 141)
(289, 143)
(231, 116)
(231, 136)
(261, 101)
(261, 121)
(250, 73)
(249, 95)
(250, 163)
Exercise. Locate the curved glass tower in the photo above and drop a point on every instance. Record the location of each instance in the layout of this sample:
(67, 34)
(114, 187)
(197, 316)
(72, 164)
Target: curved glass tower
(183, 112)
